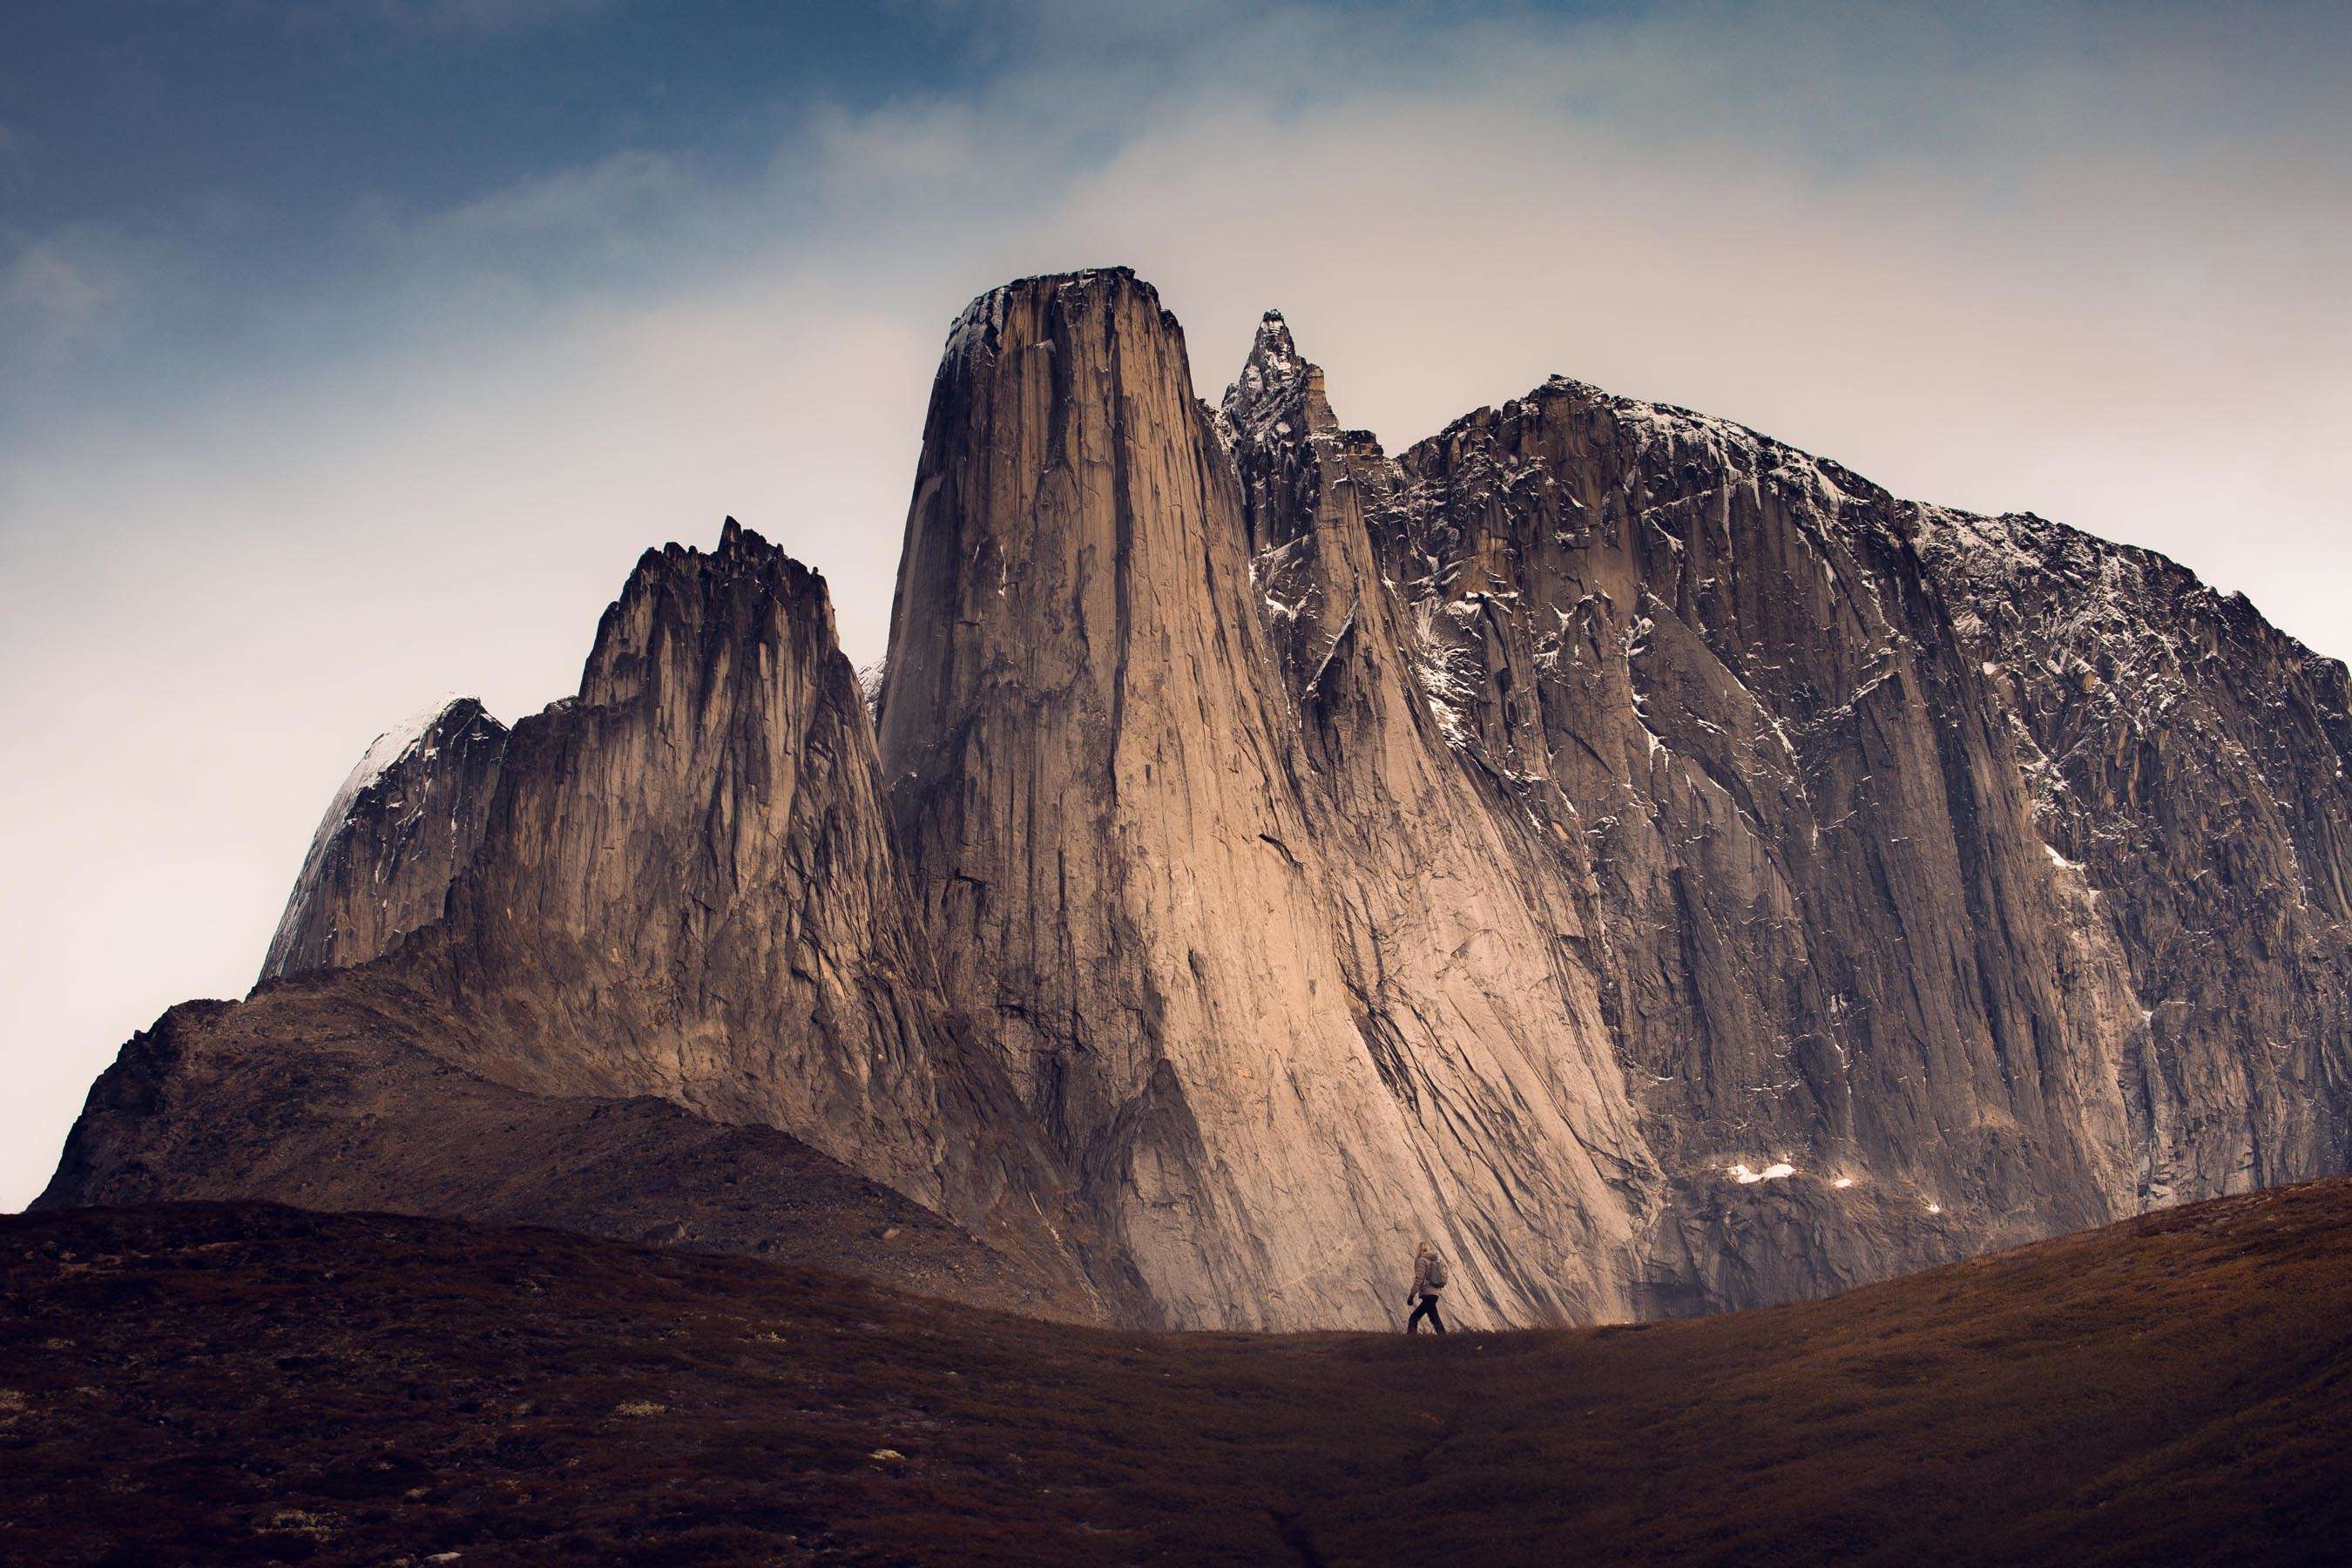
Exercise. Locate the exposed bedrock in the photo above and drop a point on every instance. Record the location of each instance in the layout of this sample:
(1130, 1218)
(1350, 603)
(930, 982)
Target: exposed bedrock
(1835, 939)
(687, 885)
(2187, 760)
(1685, 872)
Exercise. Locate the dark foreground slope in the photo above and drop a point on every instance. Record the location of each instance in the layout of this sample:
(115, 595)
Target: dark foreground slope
(248, 1384)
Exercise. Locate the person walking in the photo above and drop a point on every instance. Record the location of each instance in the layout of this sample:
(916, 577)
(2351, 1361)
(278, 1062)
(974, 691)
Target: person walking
(1428, 1281)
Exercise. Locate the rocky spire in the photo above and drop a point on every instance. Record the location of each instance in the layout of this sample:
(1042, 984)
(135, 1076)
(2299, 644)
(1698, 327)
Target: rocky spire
(688, 883)
(1273, 386)
(1096, 769)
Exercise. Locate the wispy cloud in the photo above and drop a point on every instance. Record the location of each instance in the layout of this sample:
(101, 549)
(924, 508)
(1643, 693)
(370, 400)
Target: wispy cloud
(71, 292)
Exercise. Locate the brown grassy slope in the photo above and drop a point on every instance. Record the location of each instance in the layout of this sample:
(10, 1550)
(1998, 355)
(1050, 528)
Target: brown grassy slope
(211, 1383)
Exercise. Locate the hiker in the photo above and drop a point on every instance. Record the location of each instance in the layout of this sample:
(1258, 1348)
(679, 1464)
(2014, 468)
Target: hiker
(1428, 1279)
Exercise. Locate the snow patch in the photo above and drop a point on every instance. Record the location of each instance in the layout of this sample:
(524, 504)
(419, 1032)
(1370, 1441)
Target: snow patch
(1444, 670)
(379, 759)
(869, 686)
(2060, 860)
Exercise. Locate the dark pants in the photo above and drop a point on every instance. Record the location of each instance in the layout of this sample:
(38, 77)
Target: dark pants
(1428, 1309)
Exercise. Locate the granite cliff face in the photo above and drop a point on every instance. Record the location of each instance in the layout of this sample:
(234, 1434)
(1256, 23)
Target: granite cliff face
(1658, 866)
(1835, 944)
(2187, 760)
(687, 885)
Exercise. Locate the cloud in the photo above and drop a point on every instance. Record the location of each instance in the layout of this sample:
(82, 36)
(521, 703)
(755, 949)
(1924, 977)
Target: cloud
(617, 220)
(47, 283)
(74, 290)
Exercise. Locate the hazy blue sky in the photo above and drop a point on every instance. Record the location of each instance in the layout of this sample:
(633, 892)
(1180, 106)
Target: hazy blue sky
(350, 350)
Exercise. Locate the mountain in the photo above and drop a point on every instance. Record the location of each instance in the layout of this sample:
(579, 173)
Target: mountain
(1822, 741)
(688, 888)
(1658, 866)
(2168, 1390)
(2188, 760)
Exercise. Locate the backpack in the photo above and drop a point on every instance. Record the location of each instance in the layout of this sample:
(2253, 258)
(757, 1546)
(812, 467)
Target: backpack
(1433, 1275)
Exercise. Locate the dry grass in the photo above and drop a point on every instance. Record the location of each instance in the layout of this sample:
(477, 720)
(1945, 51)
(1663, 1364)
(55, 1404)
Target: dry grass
(244, 1384)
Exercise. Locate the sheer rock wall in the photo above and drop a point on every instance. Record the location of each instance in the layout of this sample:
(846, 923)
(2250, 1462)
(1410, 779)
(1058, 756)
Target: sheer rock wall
(2187, 760)
(1835, 941)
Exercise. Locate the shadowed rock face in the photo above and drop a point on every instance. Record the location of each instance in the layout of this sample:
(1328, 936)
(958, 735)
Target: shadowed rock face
(398, 832)
(688, 888)
(1658, 865)
(1832, 939)
(212, 1104)
(2188, 760)
(687, 885)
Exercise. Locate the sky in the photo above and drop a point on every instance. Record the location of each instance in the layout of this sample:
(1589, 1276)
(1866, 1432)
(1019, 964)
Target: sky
(351, 351)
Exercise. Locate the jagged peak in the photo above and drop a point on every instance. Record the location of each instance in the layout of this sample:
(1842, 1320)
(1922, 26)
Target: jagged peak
(681, 590)
(377, 861)
(1274, 345)
(740, 552)
(1272, 400)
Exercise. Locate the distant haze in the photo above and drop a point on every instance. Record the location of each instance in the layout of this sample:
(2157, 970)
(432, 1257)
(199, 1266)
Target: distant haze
(355, 348)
